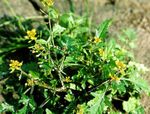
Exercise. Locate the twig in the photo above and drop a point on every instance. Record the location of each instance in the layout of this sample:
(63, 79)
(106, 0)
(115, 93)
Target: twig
(98, 86)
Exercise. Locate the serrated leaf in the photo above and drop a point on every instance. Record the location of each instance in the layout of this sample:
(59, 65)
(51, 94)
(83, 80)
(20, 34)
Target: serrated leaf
(140, 83)
(58, 29)
(130, 105)
(97, 104)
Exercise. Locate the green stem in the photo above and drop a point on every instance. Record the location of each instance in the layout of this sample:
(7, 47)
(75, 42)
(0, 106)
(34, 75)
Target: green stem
(71, 4)
(43, 85)
(99, 86)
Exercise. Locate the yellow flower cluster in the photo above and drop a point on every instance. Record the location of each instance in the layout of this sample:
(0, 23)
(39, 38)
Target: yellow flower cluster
(101, 52)
(80, 109)
(120, 65)
(114, 77)
(30, 82)
(97, 40)
(31, 34)
(48, 2)
(67, 79)
(15, 65)
(37, 48)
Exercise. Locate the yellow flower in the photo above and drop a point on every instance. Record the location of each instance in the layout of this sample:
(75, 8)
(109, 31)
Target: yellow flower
(31, 34)
(67, 79)
(15, 65)
(120, 65)
(97, 40)
(122, 72)
(114, 77)
(37, 48)
(48, 2)
(101, 52)
(30, 82)
(80, 109)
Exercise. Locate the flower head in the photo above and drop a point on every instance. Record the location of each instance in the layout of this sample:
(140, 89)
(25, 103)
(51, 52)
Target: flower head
(97, 40)
(37, 48)
(101, 52)
(67, 79)
(114, 77)
(30, 82)
(80, 109)
(120, 65)
(15, 65)
(31, 34)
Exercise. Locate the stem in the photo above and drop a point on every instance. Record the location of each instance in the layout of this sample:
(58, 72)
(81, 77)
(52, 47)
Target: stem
(26, 90)
(24, 73)
(61, 89)
(61, 79)
(2, 81)
(71, 4)
(60, 70)
(45, 102)
(98, 86)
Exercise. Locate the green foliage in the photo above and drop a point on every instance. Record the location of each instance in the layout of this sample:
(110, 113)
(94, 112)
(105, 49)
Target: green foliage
(97, 104)
(130, 105)
(69, 68)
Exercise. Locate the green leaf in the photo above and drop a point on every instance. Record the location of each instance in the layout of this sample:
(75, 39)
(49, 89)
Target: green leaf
(102, 29)
(130, 105)
(139, 83)
(41, 41)
(97, 104)
(6, 107)
(32, 104)
(69, 97)
(90, 81)
(70, 61)
(23, 110)
(52, 13)
(28, 101)
(30, 66)
(72, 86)
(58, 29)
(34, 75)
(24, 100)
(48, 111)
(67, 21)
(139, 110)
(119, 86)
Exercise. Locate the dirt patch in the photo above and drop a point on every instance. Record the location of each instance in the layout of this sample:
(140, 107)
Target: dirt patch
(16, 7)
